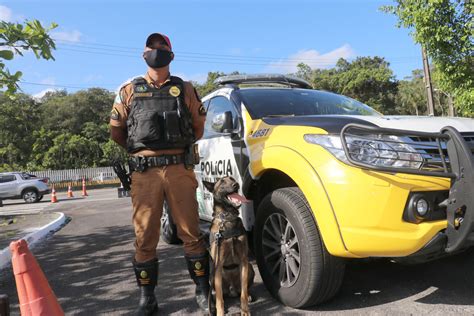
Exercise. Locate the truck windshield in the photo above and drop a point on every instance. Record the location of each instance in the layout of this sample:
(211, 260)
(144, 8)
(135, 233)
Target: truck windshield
(265, 102)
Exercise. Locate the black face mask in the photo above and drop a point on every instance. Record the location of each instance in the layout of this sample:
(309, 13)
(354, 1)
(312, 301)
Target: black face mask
(158, 58)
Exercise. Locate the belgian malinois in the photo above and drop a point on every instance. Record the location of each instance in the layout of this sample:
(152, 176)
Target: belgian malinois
(229, 246)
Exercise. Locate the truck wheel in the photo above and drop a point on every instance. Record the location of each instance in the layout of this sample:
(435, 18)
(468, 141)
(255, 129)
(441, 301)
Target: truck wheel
(169, 233)
(30, 196)
(291, 256)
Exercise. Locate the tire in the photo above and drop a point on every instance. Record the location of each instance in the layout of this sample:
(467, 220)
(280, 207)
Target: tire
(169, 233)
(30, 196)
(40, 197)
(309, 275)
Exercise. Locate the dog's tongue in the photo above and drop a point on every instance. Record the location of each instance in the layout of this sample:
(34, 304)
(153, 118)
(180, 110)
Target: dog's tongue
(237, 197)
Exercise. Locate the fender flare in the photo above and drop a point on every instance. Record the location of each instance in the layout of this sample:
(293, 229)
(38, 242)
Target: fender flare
(307, 179)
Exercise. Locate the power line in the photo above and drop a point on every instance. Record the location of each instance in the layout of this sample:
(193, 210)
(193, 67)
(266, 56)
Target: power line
(190, 59)
(64, 85)
(124, 49)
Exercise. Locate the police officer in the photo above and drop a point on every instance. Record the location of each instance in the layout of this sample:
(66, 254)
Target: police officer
(156, 118)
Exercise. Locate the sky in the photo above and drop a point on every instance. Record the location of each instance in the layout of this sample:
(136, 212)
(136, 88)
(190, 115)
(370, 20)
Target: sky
(100, 43)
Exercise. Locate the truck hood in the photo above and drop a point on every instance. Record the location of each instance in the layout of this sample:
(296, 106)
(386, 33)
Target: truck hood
(335, 123)
(421, 123)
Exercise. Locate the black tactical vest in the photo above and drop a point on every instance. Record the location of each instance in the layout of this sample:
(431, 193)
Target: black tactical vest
(159, 117)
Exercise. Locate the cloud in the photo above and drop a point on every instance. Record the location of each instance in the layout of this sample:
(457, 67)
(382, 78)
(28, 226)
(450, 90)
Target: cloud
(5, 14)
(73, 36)
(38, 96)
(312, 58)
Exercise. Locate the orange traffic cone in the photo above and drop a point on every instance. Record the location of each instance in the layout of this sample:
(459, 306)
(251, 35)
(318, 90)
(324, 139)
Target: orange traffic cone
(54, 199)
(69, 192)
(34, 293)
(84, 192)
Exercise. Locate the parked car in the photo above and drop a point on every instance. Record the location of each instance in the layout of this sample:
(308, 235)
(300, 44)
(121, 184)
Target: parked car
(19, 185)
(331, 178)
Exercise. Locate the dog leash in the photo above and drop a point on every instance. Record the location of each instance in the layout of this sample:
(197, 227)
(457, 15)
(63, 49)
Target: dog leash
(218, 236)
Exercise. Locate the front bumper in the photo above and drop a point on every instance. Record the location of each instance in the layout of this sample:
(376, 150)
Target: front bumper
(458, 165)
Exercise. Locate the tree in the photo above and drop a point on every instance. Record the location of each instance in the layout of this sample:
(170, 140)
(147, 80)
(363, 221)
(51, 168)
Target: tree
(304, 71)
(412, 95)
(19, 120)
(69, 112)
(209, 85)
(444, 28)
(366, 79)
(17, 38)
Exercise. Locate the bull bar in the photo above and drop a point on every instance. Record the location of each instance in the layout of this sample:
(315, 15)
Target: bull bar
(455, 161)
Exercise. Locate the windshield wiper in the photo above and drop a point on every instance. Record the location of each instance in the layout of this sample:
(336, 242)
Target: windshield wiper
(279, 115)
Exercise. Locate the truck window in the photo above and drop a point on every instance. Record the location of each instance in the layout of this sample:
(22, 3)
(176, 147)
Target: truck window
(7, 178)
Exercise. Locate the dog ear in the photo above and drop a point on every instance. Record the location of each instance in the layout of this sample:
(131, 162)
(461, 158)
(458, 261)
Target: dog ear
(209, 185)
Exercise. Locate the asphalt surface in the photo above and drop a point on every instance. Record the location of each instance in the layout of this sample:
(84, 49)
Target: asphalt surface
(88, 267)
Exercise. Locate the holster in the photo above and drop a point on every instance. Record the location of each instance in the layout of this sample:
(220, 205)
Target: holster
(191, 156)
(122, 174)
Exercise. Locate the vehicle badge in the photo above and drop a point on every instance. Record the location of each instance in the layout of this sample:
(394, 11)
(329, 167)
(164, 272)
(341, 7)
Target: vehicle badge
(174, 91)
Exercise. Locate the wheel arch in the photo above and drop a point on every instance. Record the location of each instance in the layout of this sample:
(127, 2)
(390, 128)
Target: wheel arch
(27, 189)
(280, 167)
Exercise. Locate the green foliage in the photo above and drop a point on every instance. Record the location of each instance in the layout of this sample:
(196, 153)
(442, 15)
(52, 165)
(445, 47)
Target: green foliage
(18, 118)
(412, 95)
(61, 131)
(445, 29)
(70, 112)
(209, 85)
(367, 79)
(17, 38)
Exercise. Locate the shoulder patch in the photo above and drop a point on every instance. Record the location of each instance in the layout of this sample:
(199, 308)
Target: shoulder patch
(114, 114)
(128, 81)
(202, 110)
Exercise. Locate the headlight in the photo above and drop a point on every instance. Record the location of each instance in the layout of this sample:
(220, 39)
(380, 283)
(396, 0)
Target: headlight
(385, 151)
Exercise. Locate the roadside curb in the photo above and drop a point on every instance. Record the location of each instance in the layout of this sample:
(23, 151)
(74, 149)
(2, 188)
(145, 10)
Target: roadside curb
(32, 238)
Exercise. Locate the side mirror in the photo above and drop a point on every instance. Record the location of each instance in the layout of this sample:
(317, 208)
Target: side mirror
(228, 122)
(223, 123)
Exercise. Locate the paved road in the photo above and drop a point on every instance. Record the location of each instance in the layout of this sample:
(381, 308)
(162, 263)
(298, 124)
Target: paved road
(88, 267)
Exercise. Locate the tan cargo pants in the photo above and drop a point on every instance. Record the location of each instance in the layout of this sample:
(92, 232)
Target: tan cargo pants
(178, 186)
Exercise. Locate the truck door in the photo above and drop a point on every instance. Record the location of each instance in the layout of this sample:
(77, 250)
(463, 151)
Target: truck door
(8, 184)
(220, 149)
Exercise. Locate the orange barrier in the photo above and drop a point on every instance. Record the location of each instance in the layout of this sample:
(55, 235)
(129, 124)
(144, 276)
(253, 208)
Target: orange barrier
(34, 293)
(69, 192)
(84, 192)
(54, 199)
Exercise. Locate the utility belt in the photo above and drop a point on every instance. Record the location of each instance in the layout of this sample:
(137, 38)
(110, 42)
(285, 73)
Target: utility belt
(142, 163)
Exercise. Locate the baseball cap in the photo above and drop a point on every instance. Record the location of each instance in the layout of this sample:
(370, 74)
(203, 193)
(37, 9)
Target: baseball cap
(153, 36)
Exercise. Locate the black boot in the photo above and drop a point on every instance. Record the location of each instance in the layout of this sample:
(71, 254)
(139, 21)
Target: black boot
(198, 267)
(147, 276)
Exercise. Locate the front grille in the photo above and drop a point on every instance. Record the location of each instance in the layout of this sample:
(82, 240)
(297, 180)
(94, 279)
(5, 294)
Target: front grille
(429, 149)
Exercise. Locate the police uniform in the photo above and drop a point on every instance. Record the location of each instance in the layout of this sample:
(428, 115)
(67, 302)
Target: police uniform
(161, 120)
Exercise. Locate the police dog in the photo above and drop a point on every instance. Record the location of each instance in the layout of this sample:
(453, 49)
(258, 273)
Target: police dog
(232, 273)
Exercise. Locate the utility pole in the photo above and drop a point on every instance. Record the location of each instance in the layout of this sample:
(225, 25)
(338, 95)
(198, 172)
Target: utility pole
(429, 89)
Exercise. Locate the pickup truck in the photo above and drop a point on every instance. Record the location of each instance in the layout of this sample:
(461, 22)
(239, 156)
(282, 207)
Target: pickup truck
(329, 178)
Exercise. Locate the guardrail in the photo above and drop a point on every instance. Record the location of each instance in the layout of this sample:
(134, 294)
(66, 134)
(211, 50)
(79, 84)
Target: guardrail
(73, 177)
